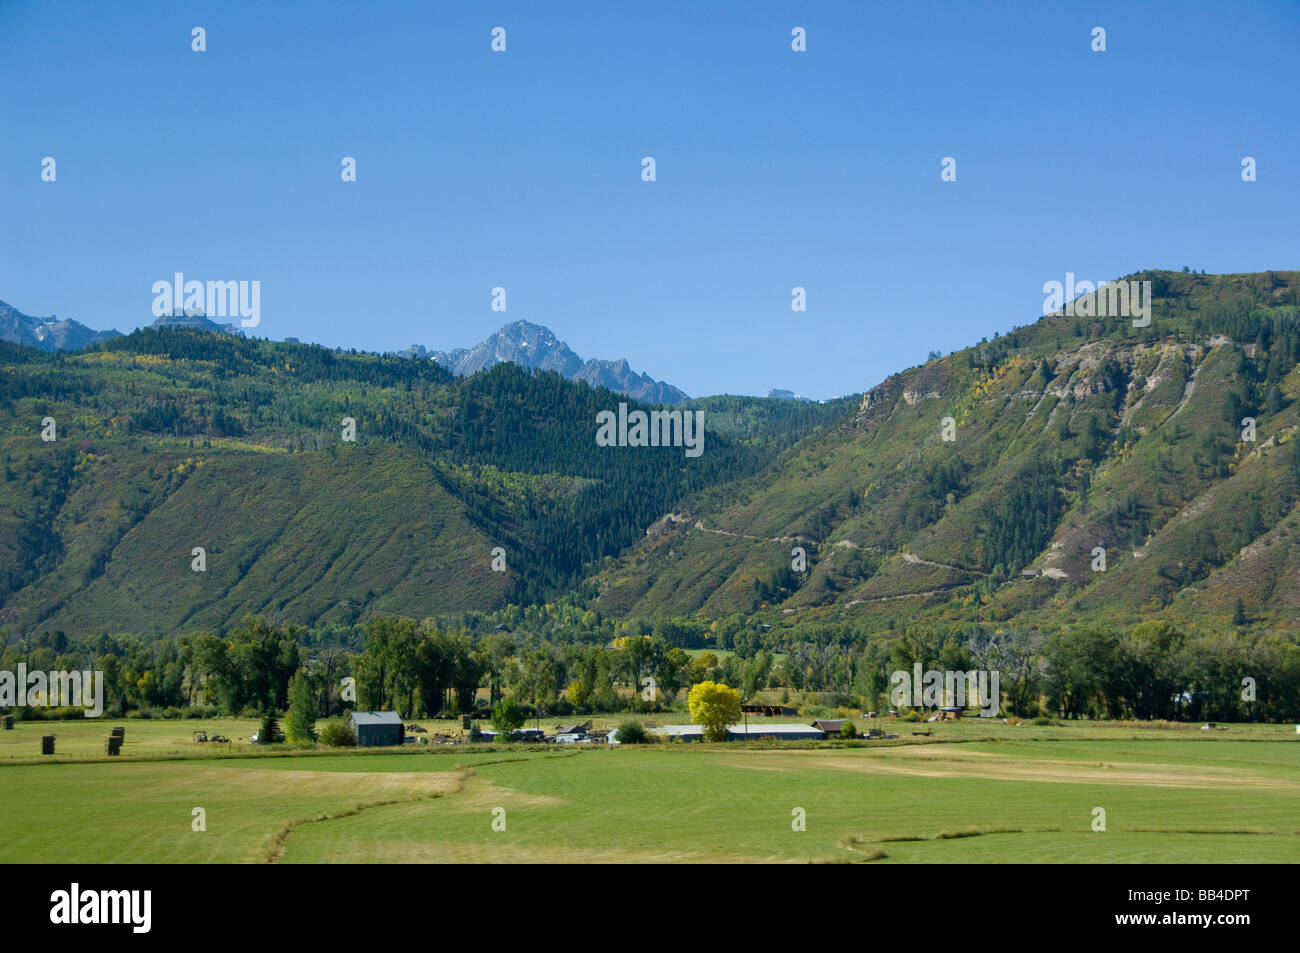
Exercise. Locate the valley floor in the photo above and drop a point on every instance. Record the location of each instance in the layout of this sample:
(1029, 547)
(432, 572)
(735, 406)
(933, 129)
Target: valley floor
(969, 793)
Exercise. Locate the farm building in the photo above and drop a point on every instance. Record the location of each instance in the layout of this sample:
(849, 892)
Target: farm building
(949, 714)
(579, 730)
(742, 732)
(377, 728)
(830, 726)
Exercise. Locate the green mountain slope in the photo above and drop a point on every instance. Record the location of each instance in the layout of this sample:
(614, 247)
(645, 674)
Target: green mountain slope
(173, 439)
(1070, 435)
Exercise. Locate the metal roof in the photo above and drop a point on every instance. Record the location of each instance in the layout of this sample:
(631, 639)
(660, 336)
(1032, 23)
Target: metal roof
(756, 730)
(376, 718)
(829, 724)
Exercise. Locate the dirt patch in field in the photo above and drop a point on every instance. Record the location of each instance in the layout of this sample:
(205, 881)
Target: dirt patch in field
(480, 794)
(366, 785)
(989, 766)
(428, 852)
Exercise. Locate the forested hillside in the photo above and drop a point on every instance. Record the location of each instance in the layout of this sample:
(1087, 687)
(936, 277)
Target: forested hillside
(1095, 471)
(1069, 437)
(171, 439)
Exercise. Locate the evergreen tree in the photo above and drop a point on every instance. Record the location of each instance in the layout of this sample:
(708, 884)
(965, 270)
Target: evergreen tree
(301, 721)
(1273, 402)
(270, 727)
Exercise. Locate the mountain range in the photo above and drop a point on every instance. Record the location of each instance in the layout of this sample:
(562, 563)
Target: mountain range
(51, 334)
(528, 345)
(1075, 469)
(537, 347)
(196, 322)
(47, 334)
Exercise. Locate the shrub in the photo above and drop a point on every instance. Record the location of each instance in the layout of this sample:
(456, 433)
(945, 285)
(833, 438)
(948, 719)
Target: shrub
(912, 715)
(49, 714)
(338, 734)
(475, 732)
(1044, 720)
(848, 730)
(507, 718)
(632, 733)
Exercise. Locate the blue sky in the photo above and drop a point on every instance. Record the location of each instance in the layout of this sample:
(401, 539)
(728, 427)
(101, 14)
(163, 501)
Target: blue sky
(523, 169)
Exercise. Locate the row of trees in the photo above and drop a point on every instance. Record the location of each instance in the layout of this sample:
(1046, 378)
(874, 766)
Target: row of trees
(431, 667)
(1153, 671)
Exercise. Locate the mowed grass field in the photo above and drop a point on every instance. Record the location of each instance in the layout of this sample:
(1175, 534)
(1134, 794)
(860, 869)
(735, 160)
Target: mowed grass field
(969, 793)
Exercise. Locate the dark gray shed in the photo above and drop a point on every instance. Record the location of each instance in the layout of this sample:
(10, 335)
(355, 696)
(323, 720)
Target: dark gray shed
(377, 728)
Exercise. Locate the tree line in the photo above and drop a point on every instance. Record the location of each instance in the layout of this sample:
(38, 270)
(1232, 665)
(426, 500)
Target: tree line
(560, 660)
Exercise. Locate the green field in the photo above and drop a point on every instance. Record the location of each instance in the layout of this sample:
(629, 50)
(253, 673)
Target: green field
(969, 793)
